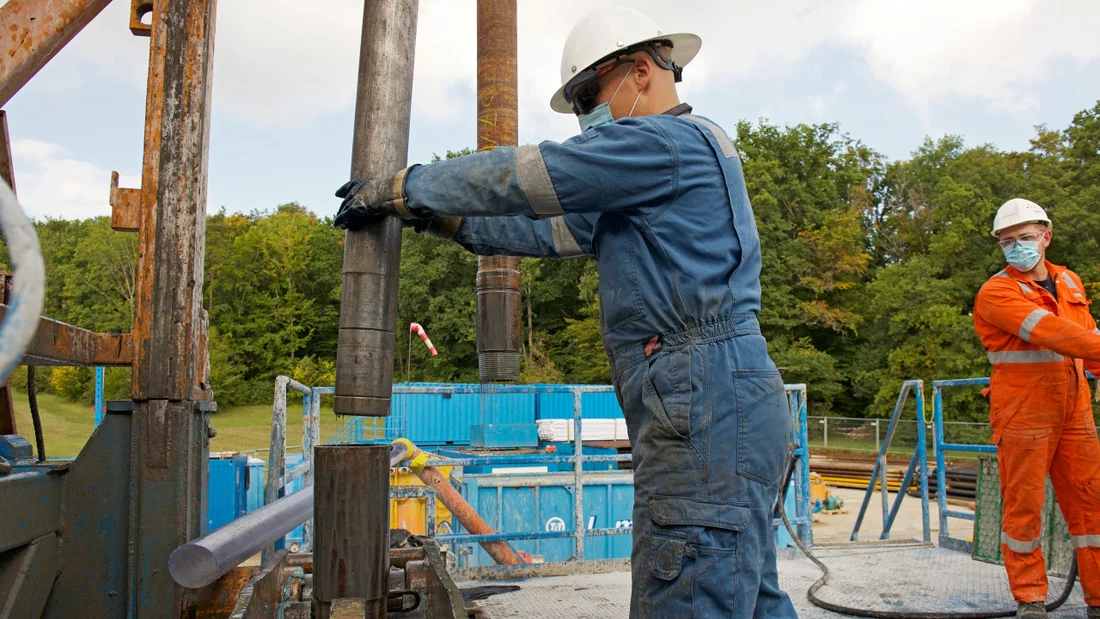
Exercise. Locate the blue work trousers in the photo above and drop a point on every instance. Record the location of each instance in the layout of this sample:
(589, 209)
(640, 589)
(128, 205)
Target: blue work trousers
(709, 427)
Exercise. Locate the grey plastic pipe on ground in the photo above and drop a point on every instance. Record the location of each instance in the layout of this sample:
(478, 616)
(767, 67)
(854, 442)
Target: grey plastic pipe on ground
(21, 321)
(202, 561)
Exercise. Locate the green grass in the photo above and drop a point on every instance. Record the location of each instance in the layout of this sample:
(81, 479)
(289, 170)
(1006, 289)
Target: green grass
(68, 425)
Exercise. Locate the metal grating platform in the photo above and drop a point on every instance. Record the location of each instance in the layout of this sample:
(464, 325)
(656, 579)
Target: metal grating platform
(895, 578)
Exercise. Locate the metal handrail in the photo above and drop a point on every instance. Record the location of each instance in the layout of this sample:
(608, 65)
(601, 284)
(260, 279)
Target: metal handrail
(797, 401)
(878, 474)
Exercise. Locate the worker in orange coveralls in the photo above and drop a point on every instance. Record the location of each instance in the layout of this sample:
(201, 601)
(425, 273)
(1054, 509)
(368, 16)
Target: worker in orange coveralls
(1033, 319)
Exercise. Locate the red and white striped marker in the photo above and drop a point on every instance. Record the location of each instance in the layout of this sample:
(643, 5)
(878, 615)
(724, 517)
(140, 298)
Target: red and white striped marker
(417, 329)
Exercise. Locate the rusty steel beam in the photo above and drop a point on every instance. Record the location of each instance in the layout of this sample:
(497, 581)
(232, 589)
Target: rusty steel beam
(170, 436)
(34, 31)
(372, 256)
(58, 343)
(172, 220)
(499, 303)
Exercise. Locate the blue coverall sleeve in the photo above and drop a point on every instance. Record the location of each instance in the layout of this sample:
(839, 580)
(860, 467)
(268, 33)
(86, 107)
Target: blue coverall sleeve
(558, 237)
(627, 164)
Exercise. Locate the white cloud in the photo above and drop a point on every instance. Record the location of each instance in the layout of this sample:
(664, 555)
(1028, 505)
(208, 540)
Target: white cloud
(50, 184)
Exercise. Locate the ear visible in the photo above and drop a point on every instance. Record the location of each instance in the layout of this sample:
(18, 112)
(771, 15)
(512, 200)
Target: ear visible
(643, 71)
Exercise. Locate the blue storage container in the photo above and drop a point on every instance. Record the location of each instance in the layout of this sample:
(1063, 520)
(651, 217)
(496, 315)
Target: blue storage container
(598, 405)
(544, 502)
(226, 490)
(431, 419)
(255, 487)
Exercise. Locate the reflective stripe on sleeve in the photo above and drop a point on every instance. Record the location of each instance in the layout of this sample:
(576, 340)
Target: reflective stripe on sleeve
(719, 134)
(1085, 541)
(536, 184)
(564, 241)
(1025, 356)
(1029, 323)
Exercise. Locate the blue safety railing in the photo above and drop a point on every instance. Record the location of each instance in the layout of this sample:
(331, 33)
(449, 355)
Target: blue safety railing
(942, 447)
(801, 520)
(918, 464)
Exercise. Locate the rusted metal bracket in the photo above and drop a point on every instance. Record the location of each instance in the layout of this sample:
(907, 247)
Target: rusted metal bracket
(138, 10)
(58, 343)
(34, 31)
(125, 207)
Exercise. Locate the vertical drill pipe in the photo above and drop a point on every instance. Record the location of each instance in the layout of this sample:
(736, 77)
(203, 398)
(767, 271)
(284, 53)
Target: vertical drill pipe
(351, 518)
(499, 338)
(372, 256)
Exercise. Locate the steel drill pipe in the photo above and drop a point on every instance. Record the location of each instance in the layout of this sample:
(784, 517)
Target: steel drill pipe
(499, 303)
(202, 561)
(351, 517)
(372, 256)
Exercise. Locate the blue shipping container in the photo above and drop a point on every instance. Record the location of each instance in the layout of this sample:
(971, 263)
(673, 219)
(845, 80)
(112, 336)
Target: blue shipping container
(593, 406)
(544, 502)
(226, 490)
(430, 419)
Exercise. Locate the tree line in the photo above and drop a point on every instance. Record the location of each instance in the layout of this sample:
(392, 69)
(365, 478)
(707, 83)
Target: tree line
(870, 268)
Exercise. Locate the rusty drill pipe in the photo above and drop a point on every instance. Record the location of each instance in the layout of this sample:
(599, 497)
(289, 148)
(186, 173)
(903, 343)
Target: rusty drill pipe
(499, 303)
(467, 516)
(372, 256)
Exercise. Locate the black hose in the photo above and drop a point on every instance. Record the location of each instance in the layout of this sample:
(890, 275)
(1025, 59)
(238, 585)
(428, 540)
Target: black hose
(811, 593)
(36, 419)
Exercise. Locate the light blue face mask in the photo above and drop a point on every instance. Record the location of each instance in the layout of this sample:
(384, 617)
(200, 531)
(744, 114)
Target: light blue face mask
(1023, 255)
(601, 114)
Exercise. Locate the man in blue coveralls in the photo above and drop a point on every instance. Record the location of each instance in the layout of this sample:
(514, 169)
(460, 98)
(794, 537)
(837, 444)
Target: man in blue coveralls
(657, 195)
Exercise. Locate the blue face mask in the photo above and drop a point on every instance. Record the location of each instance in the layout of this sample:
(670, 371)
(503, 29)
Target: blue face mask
(601, 114)
(1023, 255)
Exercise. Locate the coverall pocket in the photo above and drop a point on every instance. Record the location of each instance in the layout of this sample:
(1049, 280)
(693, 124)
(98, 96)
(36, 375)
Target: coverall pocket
(693, 555)
(763, 424)
(668, 383)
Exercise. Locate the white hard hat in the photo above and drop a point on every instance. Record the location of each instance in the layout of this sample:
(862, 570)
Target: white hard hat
(602, 33)
(1019, 211)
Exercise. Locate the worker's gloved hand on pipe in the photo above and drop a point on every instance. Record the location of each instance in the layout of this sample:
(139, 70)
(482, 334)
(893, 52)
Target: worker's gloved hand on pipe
(367, 201)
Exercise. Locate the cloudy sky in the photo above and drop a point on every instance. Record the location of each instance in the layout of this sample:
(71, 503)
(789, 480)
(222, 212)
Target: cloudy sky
(891, 72)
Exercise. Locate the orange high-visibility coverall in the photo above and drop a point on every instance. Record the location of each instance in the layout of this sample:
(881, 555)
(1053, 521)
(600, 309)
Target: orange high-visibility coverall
(1041, 415)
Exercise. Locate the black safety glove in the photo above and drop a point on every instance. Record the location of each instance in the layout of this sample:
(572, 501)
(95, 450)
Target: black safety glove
(367, 202)
(361, 205)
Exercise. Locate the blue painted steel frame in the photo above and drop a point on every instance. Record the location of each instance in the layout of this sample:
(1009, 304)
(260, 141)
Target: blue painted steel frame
(796, 399)
(945, 540)
(918, 462)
